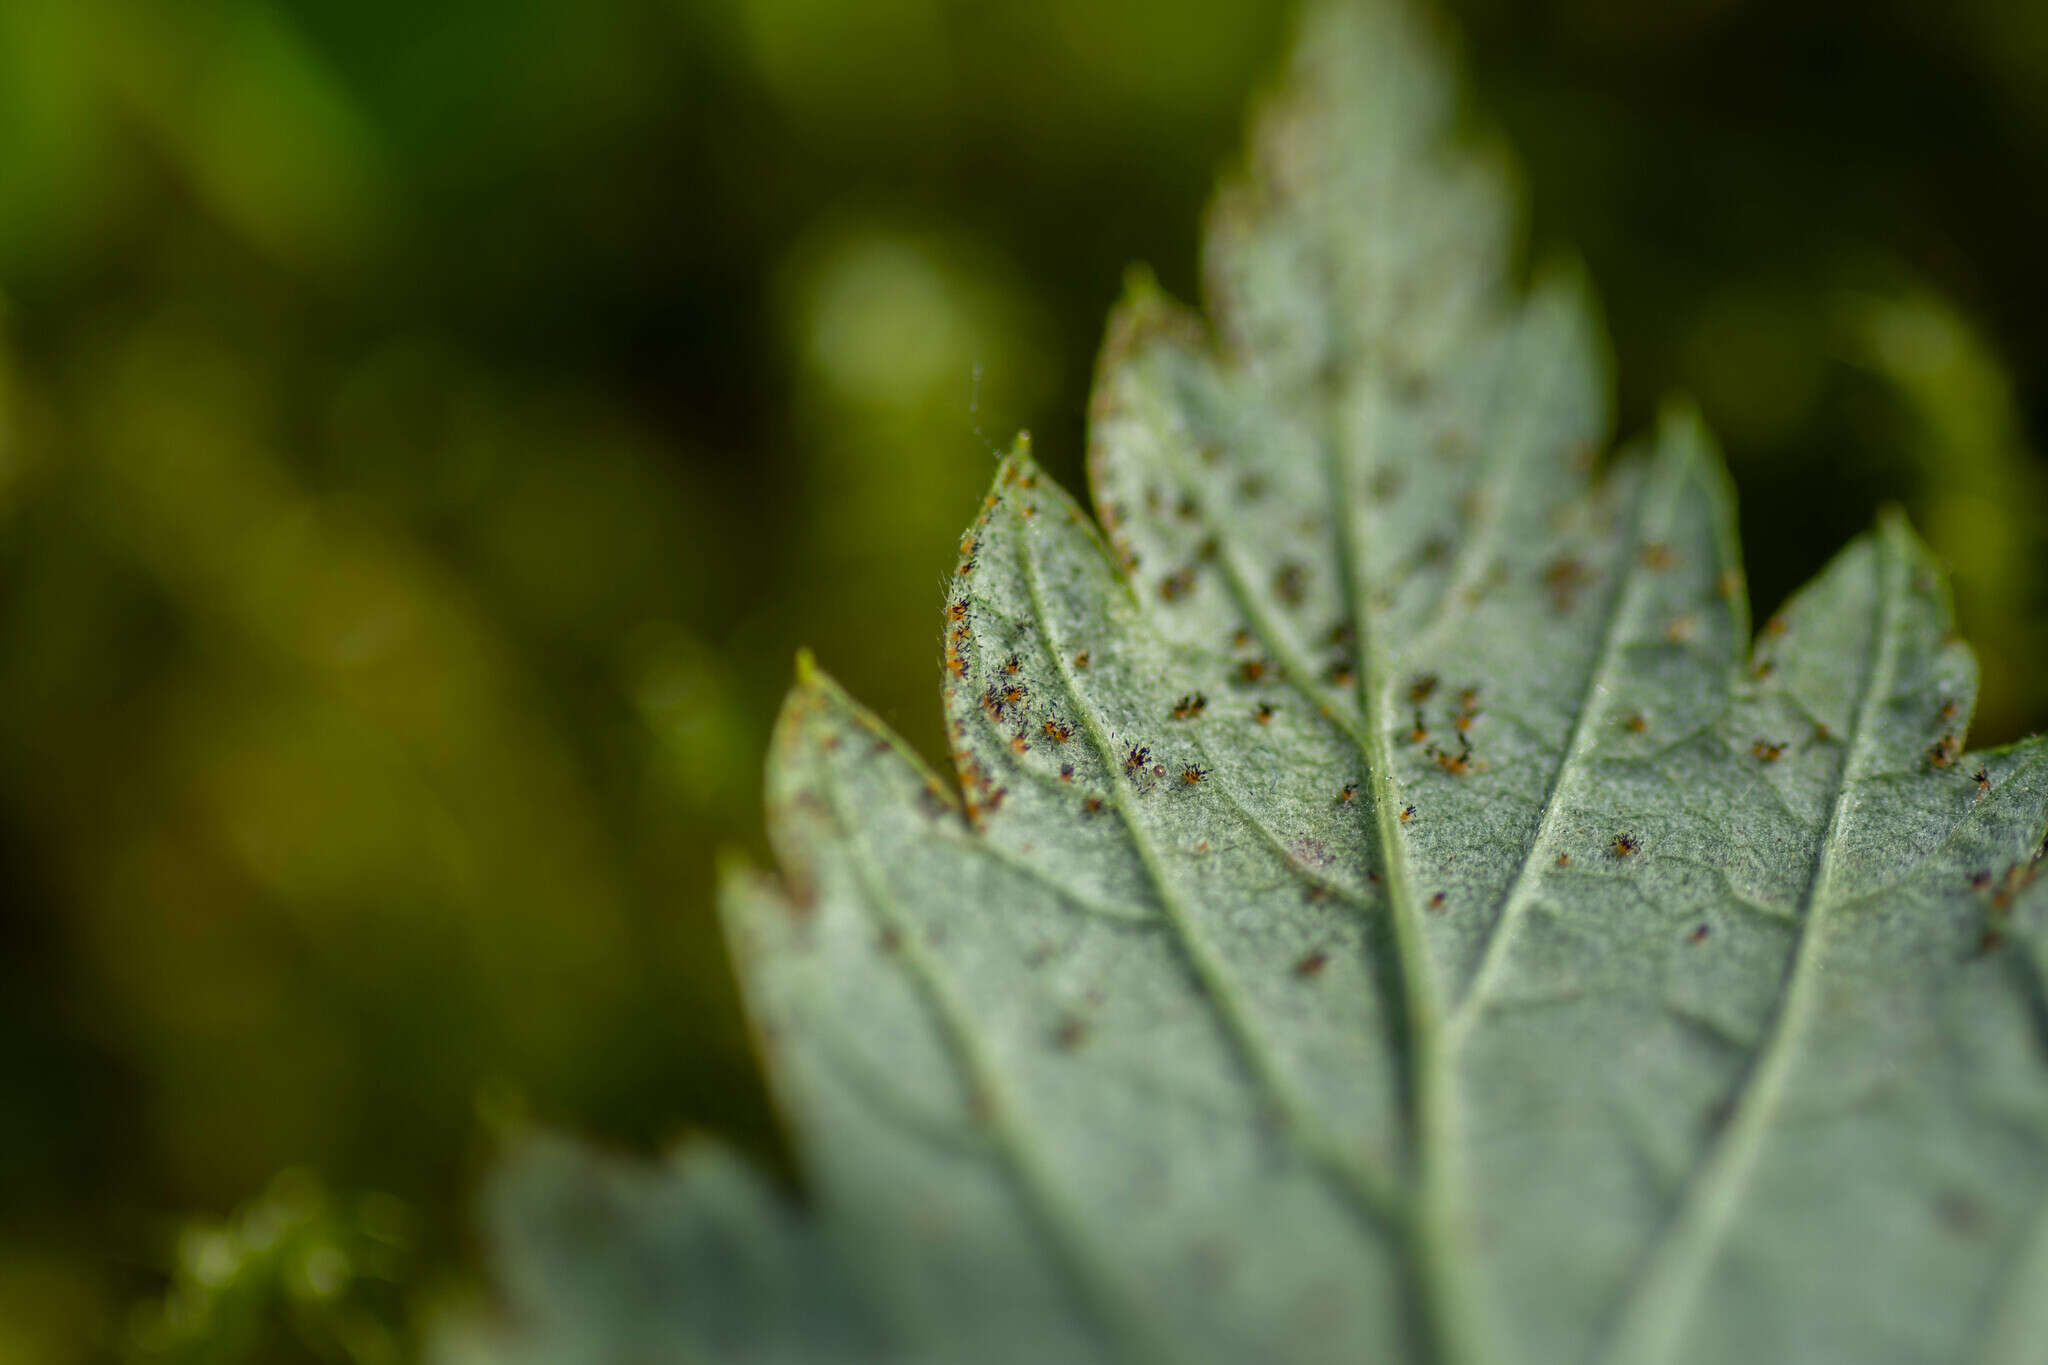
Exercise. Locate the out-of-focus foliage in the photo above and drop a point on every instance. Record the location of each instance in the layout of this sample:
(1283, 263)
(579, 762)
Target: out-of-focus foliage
(426, 431)
(297, 1268)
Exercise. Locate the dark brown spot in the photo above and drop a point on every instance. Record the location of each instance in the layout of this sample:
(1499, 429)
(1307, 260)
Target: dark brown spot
(1290, 583)
(1563, 578)
(1960, 1214)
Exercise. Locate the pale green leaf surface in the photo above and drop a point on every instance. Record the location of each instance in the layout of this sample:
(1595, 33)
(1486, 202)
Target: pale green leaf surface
(1491, 957)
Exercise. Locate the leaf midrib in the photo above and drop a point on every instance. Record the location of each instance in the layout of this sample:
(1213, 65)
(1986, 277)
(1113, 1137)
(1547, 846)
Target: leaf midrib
(1415, 971)
(1451, 1331)
(1445, 1298)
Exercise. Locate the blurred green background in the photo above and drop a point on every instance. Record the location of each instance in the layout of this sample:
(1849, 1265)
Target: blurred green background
(426, 432)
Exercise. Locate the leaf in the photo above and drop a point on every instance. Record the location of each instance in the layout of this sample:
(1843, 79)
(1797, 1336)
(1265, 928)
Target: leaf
(1394, 913)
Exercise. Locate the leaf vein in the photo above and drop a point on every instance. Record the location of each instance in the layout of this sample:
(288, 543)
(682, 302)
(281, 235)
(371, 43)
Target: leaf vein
(1655, 1311)
(1373, 1195)
(1621, 615)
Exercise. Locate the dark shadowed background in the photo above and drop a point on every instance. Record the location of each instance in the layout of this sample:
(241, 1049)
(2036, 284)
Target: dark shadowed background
(426, 433)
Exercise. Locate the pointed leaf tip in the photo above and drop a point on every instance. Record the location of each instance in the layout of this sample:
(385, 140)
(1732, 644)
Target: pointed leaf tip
(1681, 412)
(1893, 521)
(1141, 285)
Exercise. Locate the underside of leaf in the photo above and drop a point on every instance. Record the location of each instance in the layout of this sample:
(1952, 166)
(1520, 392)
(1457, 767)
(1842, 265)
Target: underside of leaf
(1392, 910)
